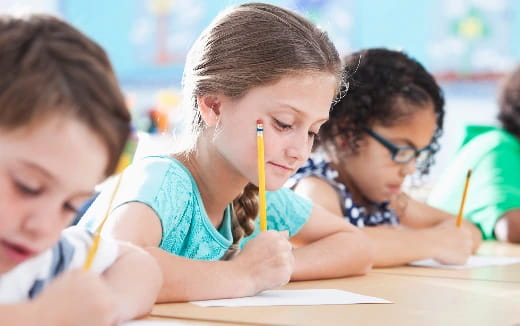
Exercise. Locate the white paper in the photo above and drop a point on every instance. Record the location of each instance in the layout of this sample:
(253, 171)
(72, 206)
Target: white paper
(473, 262)
(294, 298)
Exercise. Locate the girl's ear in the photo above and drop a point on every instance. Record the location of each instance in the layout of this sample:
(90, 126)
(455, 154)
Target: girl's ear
(209, 108)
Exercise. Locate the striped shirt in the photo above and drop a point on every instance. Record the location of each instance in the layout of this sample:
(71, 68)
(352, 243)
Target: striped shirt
(26, 280)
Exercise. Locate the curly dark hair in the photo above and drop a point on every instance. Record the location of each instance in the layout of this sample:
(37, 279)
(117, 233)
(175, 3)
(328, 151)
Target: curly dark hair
(509, 102)
(380, 79)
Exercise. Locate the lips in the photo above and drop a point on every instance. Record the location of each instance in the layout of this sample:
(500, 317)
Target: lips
(394, 188)
(281, 166)
(17, 253)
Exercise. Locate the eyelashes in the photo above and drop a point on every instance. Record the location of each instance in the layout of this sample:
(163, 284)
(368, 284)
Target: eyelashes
(25, 190)
(285, 126)
(281, 125)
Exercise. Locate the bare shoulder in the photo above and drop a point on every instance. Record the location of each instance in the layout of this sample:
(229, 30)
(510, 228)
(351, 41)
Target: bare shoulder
(136, 223)
(321, 192)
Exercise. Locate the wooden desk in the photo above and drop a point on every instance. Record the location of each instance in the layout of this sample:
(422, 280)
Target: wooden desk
(188, 322)
(508, 273)
(417, 301)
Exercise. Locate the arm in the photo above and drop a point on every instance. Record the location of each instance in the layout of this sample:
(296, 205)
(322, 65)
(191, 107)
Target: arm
(264, 263)
(508, 227)
(326, 240)
(416, 214)
(392, 245)
(19, 314)
(76, 297)
(135, 279)
(330, 247)
(396, 246)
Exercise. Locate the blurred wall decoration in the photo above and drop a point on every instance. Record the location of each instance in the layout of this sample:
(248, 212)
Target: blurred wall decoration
(148, 39)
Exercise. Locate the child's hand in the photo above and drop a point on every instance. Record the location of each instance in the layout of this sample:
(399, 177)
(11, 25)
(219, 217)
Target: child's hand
(453, 245)
(76, 298)
(267, 260)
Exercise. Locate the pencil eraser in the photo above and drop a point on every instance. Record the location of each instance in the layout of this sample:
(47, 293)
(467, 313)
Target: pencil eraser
(259, 121)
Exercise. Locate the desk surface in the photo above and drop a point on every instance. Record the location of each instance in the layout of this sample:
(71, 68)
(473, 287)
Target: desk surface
(508, 273)
(417, 301)
(421, 296)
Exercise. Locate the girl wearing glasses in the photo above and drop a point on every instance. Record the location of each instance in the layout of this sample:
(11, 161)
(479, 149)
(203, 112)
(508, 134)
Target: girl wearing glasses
(385, 128)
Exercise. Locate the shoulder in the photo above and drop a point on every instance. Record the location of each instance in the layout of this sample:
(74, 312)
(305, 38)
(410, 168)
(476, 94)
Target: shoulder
(154, 169)
(492, 140)
(314, 187)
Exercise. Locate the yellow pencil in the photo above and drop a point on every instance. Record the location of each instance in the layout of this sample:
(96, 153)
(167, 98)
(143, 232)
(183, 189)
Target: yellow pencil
(261, 174)
(464, 194)
(124, 161)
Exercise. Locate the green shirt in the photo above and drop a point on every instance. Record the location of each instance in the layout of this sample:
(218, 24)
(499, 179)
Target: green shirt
(167, 187)
(494, 157)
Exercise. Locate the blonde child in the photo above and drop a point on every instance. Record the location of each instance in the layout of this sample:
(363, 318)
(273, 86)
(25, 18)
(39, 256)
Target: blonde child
(383, 129)
(192, 209)
(63, 124)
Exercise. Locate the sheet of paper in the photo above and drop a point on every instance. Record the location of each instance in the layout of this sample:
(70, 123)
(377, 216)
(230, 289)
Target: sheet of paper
(294, 298)
(473, 262)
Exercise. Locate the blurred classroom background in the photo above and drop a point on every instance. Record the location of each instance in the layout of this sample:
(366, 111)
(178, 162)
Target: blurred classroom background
(467, 44)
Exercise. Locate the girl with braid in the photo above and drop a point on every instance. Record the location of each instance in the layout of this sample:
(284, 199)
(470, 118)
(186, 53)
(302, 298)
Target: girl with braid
(192, 209)
(385, 128)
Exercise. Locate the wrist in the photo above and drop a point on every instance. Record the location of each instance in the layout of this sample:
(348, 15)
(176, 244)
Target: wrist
(241, 278)
(431, 243)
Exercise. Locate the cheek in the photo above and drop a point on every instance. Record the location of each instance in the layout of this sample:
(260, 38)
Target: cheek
(11, 206)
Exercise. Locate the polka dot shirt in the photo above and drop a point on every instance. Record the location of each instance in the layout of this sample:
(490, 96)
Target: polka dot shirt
(356, 214)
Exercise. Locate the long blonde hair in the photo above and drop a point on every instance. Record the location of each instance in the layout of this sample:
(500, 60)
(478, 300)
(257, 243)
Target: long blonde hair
(251, 45)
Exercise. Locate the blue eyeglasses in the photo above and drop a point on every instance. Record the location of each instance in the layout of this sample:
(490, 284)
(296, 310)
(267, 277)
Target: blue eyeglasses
(404, 154)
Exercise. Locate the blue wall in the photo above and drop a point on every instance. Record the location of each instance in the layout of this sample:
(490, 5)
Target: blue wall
(425, 29)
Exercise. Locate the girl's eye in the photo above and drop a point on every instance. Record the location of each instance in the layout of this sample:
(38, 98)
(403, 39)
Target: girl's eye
(24, 189)
(282, 125)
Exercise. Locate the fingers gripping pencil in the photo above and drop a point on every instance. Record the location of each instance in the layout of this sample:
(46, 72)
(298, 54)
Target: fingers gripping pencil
(261, 174)
(124, 161)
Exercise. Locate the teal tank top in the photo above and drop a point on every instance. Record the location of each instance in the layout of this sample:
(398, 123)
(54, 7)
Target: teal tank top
(168, 188)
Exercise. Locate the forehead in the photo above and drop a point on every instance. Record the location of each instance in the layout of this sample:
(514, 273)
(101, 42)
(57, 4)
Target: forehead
(64, 147)
(310, 93)
(417, 128)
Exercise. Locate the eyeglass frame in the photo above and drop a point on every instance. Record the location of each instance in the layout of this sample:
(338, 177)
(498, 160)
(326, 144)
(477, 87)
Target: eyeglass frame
(394, 149)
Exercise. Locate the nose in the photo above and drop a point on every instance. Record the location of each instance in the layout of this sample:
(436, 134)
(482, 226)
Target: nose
(41, 221)
(299, 147)
(408, 168)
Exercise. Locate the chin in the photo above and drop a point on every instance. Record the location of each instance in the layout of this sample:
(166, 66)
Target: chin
(273, 187)
(380, 199)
